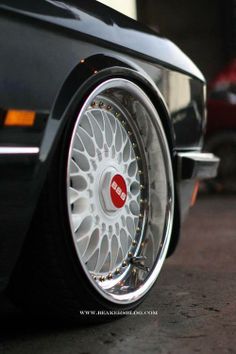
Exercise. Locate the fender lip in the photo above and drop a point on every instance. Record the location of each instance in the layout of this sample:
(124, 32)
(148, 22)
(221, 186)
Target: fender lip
(196, 165)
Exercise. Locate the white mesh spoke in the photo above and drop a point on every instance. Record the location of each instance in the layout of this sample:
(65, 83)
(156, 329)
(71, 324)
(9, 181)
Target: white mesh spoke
(103, 241)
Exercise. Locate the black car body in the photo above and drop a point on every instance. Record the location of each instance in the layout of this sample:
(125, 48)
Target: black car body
(53, 53)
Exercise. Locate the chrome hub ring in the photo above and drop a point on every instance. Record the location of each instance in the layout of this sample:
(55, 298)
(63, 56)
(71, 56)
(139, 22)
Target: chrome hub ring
(115, 206)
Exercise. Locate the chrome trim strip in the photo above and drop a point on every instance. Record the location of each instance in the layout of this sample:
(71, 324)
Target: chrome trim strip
(13, 150)
(187, 149)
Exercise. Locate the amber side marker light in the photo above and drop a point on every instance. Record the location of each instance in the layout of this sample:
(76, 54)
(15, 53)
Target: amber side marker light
(195, 192)
(19, 118)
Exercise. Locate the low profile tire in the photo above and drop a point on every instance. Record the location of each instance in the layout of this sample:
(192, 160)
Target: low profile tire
(104, 221)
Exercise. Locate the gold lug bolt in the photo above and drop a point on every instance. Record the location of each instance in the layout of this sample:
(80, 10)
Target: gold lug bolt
(143, 201)
(124, 264)
(109, 277)
(134, 243)
(130, 254)
(117, 271)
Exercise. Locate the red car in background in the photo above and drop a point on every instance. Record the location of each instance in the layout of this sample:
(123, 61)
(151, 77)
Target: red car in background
(221, 127)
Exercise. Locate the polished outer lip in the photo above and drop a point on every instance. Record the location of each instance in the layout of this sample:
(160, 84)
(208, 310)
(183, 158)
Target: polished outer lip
(139, 93)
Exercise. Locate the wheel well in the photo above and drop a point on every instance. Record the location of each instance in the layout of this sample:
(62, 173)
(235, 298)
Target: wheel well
(93, 70)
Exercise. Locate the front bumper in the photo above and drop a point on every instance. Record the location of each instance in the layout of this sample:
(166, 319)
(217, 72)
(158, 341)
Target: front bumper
(196, 165)
(190, 168)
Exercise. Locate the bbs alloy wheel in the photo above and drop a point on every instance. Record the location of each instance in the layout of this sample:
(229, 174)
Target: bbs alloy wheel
(120, 191)
(102, 228)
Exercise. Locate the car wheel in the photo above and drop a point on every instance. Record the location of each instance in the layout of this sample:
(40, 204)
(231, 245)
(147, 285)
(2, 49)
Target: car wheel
(103, 226)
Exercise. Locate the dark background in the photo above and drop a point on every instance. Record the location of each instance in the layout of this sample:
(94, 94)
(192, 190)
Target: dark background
(204, 30)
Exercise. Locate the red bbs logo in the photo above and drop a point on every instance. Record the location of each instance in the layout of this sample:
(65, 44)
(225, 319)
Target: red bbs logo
(118, 191)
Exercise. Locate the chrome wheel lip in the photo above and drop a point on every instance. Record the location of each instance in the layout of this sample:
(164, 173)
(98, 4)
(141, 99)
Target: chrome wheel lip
(136, 295)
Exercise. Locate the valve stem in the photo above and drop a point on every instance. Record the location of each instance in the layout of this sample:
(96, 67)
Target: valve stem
(138, 263)
(138, 259)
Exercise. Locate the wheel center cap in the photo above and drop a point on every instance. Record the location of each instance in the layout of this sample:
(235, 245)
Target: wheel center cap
(118, 191)
(114, 191)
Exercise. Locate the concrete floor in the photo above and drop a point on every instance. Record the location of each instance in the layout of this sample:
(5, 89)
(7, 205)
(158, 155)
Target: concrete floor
(195, 298)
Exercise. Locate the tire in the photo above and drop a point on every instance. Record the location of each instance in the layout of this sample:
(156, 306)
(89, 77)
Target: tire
(103, 225)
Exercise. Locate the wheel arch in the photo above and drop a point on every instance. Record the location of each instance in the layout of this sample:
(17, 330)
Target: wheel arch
(89, 73)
